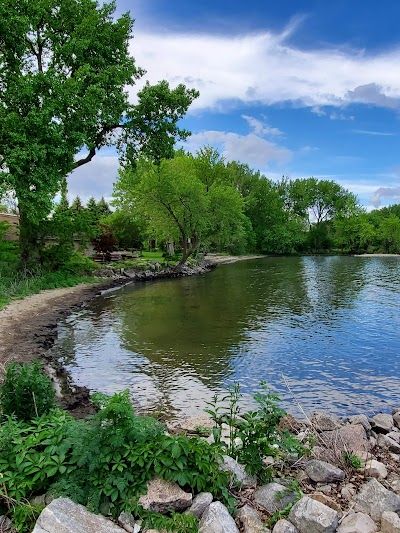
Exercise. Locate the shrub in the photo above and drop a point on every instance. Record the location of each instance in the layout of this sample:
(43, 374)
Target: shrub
(79, 265)
(26, 392)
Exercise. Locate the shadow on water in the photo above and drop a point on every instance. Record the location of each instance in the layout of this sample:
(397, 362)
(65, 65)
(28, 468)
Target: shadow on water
(329, 325)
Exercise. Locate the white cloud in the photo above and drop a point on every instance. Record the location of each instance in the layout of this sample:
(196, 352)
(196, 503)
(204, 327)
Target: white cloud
(333, 115)
(265, 68)
(95, 178)
(260, 127)
(375, 133)
(392, 193)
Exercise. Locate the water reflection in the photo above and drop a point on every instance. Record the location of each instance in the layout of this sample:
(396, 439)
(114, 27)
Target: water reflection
(329, 325)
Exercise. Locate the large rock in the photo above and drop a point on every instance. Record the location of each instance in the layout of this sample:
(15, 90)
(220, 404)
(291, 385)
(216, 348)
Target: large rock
(376, 469)
(200, 504)
(250, 520)
(382, 422)
(374, 499)
(310, 516)
(360, 419)
(396, 419)
(193, 424)
(351, 438)
(357, 523)
(323, 472)
(274, 497)
(323, 421)
(238, 472)
(394, 482)
(217, 519)
(390, 522)
(395, 435)
(326, 500)
(163, 497)
(284, 526)
(64, 516)
(384, 441)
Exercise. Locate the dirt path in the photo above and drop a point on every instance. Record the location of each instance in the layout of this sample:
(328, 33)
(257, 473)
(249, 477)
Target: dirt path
(216, 259)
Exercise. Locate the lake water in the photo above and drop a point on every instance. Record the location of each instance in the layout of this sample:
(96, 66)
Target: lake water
(322, 331)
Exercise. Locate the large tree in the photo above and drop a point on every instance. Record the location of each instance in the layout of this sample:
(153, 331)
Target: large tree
(64, 71)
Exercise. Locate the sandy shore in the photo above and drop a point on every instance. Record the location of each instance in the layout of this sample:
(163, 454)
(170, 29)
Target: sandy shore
(216, 259)
(376, 255)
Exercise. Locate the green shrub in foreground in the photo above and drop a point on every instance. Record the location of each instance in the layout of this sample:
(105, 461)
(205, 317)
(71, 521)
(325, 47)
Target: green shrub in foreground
(27, 392)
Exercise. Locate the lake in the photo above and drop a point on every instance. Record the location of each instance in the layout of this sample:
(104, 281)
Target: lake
(322, 331)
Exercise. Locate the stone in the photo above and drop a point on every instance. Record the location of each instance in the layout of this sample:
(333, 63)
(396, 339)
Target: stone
(326, 489)
(309, 515)
(216, 519)
(200, 504)
(38, 500)
(6, 525)
(395, 456)
(62, 515)
(360, 419)
(238, 472)
(395, 435)
(351, 438)
(274, 497)
(390, 522)
(348, 491)
(394, 482)
(384, 441)
(192, 424)
(250, 520)
(163, 497)
(323, 472)
(128, 522)
(323, 421)
(289, 422)
(374, 499)
(326, 500)
(375, 469)
(284, 526)
(357, 523)
(396, 419)
(382, 422)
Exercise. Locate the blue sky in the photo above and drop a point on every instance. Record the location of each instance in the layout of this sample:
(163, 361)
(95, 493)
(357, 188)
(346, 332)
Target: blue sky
(295, 88)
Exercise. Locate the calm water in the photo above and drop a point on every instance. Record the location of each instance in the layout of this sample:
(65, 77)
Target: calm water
(324, 331)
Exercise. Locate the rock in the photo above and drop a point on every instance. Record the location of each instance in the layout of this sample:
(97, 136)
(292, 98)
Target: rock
(348, 491)
(384, 441)
(308, 516)
(250, 520)
(360, 419)
(64, 516)
(326, 489)
(351, 438)
(163, 497)
(395, 435)
(375, 469)
(268, 460)
(6, 525)
(323, 421)
(326, 500)
(394, 482)
(38, 500)
(127, 521)
(200, 504)
(216, 519)
(396, 419)
(288, 422)
(395, 457)
(390, 522)
(192, 424)
(284, 526)
(374, 499)
(238, 472)
(323, 472)
(382, 422)
(357, 523)
(274, 497)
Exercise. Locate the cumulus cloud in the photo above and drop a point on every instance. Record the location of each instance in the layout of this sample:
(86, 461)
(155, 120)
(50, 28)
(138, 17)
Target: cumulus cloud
(260, 127)
(95, 178)
(265, 68)
(392, 193)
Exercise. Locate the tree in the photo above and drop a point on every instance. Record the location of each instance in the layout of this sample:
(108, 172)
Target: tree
(354, 234)
(178, 205)
(64, 69)
(389, 234)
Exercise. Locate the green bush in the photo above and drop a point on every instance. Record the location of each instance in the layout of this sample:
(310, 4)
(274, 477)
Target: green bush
(26, 392)
(79, 264)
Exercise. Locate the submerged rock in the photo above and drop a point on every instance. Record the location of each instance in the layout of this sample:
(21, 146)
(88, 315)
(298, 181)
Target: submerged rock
(64, 516)
(163, 497)
(374, 499)
(309, 515)
(217, 519)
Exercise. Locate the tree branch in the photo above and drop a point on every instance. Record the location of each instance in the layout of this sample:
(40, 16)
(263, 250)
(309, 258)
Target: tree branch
(97, 144)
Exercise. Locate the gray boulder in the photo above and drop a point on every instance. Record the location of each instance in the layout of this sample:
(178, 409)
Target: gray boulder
(376, 469)
(309, 515)
(323, 472)
(238, 472)
(216, 519)
(374, 499)
(128, 522)
(284, 526)
(384, 441)
(350, 438)
(357, 523)
(360, 419)
(390, 522)
(163, 497)
(274, 497)
(382, 422)
(200, 504)
(396, 419)
(250, 520)
(64, 516)
(323, 421)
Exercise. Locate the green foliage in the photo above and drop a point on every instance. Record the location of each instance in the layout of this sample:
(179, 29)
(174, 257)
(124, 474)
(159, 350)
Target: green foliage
(24, 516)
(27, 392)
(176, 523)
(352, 460)
(293, 487)
(78, 264)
